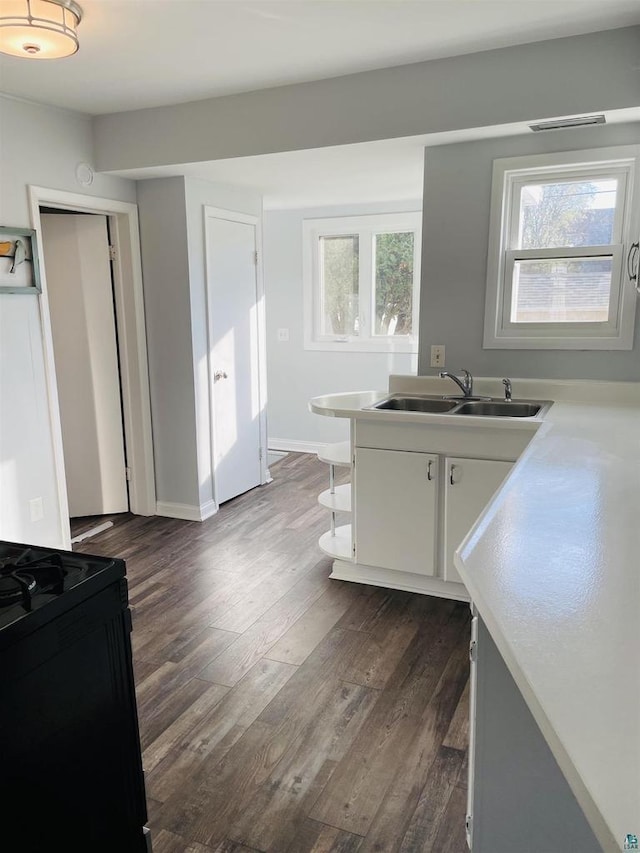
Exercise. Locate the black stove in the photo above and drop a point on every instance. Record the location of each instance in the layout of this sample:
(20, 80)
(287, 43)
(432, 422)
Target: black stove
(33, 576)
(69, 740)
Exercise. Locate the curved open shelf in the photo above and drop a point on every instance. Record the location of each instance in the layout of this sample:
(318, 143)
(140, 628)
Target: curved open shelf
(336, 454)
(339, 501)
(338, 546)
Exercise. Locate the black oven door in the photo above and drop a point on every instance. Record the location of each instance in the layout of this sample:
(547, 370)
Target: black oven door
(69, 742)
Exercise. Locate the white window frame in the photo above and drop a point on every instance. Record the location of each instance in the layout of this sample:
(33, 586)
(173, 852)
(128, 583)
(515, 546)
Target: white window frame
(366, 227)
(509, 176)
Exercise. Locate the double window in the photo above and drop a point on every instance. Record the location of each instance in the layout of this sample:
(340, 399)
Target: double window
(362, 277)
(561, 251)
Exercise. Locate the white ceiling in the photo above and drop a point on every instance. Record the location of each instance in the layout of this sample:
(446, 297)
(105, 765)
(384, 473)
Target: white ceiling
(144, 53)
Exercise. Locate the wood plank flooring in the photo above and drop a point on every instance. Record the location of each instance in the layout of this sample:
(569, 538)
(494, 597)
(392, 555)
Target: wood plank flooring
(280, 710)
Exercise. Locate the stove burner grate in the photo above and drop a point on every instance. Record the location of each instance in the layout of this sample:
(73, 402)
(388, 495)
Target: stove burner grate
(22, 577)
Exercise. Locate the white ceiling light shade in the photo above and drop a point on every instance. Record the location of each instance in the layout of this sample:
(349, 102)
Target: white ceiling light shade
(39, 29)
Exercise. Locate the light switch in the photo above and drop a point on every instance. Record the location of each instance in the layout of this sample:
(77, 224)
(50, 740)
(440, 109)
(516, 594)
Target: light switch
(437, 355)
(283, 334)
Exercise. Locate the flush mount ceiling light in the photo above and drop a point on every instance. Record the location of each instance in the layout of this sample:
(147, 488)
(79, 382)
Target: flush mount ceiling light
(39, 29)
(559, 123)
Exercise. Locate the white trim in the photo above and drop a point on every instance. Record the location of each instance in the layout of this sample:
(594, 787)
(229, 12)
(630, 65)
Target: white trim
(129, 300)
(261, 355)
(508, 176)
(294, 446)
(93, 531)
(391, 579)
(186, 512)
(366, 226)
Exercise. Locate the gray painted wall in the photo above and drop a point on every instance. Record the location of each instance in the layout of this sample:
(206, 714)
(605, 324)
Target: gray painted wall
(564, 76)
(40, 146)
(457, 195)
(165, 261)
(294, 374)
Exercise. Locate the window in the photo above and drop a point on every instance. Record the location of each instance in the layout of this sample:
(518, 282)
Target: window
(362, 278)
(561, 232)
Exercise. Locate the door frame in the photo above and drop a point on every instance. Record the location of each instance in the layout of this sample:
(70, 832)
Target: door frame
(132, 346)
(210, 212)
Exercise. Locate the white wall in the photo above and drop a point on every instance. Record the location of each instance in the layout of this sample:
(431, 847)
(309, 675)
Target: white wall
(295, 374)
(41, 146)
(557, 77)
(457, 195)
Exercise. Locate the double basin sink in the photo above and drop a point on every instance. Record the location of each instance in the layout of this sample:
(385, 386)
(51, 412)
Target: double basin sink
(477, 406)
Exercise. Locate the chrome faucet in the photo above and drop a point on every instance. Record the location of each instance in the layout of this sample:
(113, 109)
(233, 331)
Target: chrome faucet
(507, 389)
(465, 384)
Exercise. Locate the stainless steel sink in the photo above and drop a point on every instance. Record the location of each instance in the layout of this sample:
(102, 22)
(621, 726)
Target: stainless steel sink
(477, 406)
(500, 409)
(430, 405)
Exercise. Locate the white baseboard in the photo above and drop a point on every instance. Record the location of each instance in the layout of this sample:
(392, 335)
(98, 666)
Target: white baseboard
(390, 579)
(186, 512)
(207, 510)
(295, 446)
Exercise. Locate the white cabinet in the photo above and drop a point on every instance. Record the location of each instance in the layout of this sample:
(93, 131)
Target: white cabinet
(469, 485)
(408, 518)
(396, 510)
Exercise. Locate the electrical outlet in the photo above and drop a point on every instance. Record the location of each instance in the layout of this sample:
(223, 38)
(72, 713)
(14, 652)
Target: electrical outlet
(437, 355)
(283, 334)
(36, 509)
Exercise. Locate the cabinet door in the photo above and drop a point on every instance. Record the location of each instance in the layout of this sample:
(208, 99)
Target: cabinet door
(395, 509)
(469, 486)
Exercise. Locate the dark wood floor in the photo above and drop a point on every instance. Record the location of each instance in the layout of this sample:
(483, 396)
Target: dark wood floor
(281, 710)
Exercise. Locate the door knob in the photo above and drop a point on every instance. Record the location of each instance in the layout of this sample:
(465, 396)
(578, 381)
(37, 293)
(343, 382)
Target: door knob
(219, 374)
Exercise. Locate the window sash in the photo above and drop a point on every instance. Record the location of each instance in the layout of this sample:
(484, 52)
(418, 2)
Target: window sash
(568, 330)
(510, 175)
(365, 228)
(415, 287)
(516, 181)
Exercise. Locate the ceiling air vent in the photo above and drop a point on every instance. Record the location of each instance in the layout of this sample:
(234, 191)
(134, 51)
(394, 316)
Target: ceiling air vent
(558, 123)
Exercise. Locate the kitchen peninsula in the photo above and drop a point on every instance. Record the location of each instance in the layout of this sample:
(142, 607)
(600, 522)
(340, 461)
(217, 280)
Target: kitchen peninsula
(550, 565)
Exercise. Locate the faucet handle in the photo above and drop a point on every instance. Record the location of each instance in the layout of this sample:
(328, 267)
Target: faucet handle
(507, 389)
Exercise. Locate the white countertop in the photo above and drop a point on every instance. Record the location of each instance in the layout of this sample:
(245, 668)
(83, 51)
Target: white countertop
(553, 566)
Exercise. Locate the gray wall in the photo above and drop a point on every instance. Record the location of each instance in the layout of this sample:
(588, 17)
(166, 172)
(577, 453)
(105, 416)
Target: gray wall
(564, 76)
(40, 146)
(295, 374)
(165, 261)
(457, 196)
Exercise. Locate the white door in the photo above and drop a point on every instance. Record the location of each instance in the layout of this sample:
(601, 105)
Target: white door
(234, 353)
(469, 486)
(395, 509)
(78, 274)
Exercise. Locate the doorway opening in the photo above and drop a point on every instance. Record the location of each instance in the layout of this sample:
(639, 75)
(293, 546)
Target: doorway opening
(95, 352)
(77, 256)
